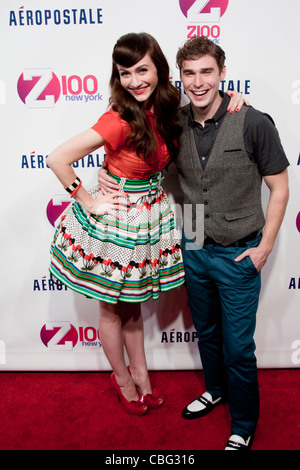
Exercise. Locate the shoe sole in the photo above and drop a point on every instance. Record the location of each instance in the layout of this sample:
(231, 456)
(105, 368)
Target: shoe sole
(186, 414)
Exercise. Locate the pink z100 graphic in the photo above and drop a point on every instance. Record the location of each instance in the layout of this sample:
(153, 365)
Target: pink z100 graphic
(63, 336)
(41, 88)
(203, 11)
(204, 17)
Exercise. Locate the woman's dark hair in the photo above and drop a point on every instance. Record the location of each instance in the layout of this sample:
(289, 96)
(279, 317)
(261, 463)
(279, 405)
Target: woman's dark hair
(165, 99)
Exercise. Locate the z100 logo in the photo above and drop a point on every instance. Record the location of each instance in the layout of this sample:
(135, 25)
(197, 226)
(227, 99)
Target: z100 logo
(63, 336)
(204, 11)
(298, 222)
(41, 88)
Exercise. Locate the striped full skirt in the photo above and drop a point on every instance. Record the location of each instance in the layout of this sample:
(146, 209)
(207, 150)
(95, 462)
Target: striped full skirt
(130, 260)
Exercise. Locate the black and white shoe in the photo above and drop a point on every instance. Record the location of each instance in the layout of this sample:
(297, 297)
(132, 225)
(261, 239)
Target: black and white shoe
(201, 406)
(239, 443)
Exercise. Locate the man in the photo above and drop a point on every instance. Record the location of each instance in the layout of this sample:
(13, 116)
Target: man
(221, 163)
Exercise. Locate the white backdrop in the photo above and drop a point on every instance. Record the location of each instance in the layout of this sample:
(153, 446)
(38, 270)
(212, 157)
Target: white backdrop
(55, 67)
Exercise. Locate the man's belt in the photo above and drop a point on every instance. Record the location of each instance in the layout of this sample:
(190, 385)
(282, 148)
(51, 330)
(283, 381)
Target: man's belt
(240, 243)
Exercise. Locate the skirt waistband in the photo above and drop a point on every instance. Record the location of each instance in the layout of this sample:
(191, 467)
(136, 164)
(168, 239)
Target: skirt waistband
(137, 186)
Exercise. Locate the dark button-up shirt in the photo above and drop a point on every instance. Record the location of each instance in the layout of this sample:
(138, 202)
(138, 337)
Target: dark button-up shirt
(261, 138)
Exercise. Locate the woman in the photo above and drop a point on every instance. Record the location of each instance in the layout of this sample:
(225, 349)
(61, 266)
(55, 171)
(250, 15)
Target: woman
(121, 248)
(103, 249)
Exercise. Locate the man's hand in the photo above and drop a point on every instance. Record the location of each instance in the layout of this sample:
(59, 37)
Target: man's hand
(278, 199)
(106, 183)
(258, 257)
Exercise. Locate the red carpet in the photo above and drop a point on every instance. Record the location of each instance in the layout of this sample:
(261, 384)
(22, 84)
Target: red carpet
(80, 411)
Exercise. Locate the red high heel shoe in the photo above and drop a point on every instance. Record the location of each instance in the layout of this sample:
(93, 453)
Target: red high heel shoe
(137, 408)
(152, 400)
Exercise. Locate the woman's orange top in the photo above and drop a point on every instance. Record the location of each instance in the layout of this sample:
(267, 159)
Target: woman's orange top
(122, 161)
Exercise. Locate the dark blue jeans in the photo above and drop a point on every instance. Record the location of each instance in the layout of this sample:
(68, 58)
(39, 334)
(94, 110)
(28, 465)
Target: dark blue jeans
(223, 298)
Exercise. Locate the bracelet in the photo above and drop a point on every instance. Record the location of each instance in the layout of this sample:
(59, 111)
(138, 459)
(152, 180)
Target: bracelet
(76, 189)
(74, 185)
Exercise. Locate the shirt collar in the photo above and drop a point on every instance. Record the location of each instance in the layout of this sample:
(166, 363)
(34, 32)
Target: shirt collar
(218, 115)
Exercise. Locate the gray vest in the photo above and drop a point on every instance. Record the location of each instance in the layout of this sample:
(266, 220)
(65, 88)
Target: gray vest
(226, 196)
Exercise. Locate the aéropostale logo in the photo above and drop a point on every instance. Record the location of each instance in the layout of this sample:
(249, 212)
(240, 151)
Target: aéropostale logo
(44, 18)
(204, 17)
(42, 88)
